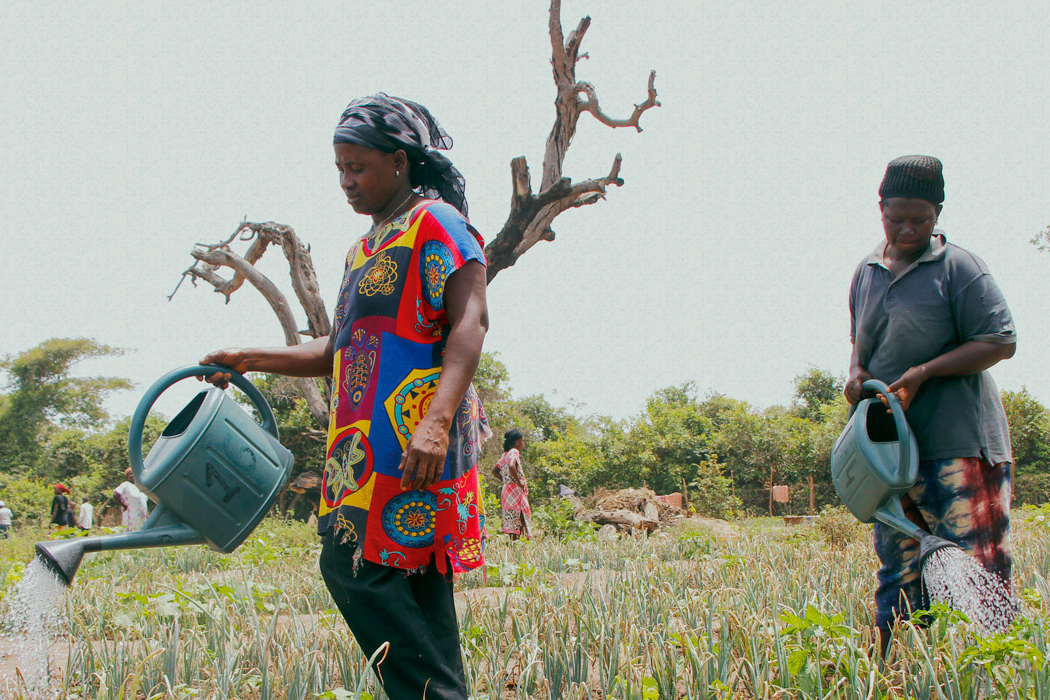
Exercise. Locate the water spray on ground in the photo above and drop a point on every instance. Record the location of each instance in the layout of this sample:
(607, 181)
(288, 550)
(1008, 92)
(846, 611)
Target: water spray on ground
(33, 615)
(958, 580)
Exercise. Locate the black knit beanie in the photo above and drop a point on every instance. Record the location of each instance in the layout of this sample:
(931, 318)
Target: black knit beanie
(914, 177)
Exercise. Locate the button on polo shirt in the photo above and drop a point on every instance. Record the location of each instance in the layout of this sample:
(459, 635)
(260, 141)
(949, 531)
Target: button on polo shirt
(945, 298)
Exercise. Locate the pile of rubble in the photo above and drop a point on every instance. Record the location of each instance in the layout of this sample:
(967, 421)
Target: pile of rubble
(628, 509)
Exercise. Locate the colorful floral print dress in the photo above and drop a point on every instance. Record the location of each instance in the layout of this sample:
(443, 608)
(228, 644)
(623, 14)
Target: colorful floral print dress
(391, 328)
(516, 514)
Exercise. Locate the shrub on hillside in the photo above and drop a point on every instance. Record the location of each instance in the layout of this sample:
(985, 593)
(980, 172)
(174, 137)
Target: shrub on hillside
(711, 493)
(1031, 489)
(557, 519)
(28, 498)
(839, 528)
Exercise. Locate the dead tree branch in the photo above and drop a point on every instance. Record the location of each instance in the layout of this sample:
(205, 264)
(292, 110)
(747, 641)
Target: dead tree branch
(209, 258)
(592, 106)
(1041, 240)
(531, 215)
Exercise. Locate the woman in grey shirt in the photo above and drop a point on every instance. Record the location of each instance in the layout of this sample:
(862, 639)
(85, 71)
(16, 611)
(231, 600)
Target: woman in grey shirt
(928, 319)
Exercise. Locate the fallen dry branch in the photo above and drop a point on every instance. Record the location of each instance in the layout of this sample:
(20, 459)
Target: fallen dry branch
(626, 518)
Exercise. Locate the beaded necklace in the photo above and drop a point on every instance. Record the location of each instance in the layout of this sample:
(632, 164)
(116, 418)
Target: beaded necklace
(378, 229)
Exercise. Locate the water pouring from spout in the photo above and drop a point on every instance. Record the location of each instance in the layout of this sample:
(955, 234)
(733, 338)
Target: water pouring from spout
(161, 529)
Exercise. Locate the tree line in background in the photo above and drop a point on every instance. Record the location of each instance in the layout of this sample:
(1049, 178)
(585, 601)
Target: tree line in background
(725, 452)
(54, 427)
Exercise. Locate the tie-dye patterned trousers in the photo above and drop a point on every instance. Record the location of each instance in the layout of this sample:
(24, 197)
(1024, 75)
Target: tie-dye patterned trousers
(964, 500)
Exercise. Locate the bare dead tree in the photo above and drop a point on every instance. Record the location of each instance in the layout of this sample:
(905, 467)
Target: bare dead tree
(531, 215)
(529, 221)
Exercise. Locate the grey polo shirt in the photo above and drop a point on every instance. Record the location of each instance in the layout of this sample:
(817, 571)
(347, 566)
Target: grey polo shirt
(944, 299)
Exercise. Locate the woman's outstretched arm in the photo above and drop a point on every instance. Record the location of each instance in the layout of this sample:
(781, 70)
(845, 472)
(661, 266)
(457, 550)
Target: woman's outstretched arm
(312, 359)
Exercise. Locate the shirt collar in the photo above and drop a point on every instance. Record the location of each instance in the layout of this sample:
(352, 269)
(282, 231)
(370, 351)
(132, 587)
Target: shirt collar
(938, 245)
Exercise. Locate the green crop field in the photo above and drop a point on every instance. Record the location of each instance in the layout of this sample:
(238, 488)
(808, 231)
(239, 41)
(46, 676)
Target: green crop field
(776, 612)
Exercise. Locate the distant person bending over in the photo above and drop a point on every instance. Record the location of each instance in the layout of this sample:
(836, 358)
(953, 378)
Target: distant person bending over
(5, 520)
(400, 510)
(60, 509)
(133, 503)
(515, 513)
(928, 319)
(86, 515)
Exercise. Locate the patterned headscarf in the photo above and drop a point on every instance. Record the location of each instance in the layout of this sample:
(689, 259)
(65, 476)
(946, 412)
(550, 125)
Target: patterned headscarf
(387, 124)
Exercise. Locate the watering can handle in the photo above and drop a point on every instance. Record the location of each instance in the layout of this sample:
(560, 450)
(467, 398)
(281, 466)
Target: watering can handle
(899, 421)
(138, 420)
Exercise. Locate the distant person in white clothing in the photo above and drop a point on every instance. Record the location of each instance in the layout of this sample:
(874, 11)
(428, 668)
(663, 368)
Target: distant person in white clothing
(5, 519)
(86, 515)
(132, 502)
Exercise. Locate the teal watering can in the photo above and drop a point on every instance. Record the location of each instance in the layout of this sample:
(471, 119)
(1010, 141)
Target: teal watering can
(875, 461)
(213, 474)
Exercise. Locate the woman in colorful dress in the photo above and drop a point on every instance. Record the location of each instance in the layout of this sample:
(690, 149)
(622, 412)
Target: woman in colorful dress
(400, 510)
(514, 498)
(928, 319)
(516, 512)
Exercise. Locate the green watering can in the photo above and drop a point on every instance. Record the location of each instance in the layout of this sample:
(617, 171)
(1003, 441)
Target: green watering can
(875, 461)
(213, 473)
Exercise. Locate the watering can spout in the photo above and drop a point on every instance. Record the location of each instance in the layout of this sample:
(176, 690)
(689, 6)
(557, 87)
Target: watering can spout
(893, 515)
(930, 544)
(62, 557)
(161, 529)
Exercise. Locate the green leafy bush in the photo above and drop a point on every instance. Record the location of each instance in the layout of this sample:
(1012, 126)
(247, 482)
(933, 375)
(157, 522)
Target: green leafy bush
(28, 498)
(1031, 488)
(556, 519)
(839, 528)
(712, 492)
(491, 504)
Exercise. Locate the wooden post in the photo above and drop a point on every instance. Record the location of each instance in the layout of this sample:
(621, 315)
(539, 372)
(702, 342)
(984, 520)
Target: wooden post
(812, 497)
(685, 495)
(771, 490)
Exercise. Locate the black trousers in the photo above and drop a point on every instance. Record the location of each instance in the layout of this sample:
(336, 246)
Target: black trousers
(414, 612)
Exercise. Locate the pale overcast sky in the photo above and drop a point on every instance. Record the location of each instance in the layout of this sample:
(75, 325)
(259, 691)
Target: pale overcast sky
(131, 130)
